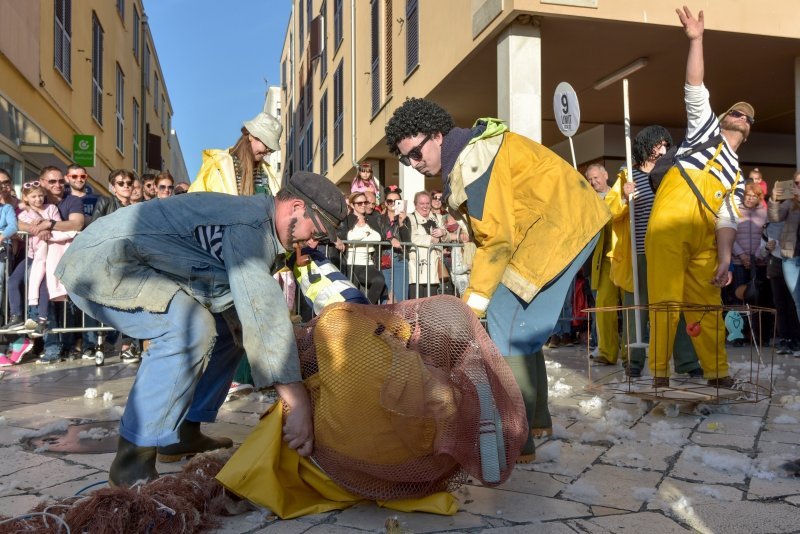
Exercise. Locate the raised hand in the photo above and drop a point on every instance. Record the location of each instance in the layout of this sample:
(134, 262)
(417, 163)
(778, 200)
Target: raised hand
(693, 27)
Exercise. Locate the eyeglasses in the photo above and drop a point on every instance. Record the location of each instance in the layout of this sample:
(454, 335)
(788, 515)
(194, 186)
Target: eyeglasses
(53, 182)
(166, 187)
(124, 183)
(388, 200)
(415, 153)
(738, 114)
(360, 203)
(5, 183)
(77, 176)
(28, 185)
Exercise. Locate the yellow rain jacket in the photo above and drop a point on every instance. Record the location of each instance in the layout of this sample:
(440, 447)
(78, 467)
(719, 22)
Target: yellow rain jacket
(530, 212)
(619, 232)
(218, 175)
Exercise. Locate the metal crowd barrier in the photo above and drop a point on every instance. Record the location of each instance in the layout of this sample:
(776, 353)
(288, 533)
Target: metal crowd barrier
(70, 320)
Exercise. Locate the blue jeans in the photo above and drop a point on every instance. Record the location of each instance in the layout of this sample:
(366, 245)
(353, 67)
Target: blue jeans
(791, 273)
(519, 328)
(397, 280)
(186, 372)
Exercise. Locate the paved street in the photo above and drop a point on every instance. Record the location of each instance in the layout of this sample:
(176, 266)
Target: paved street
(614, 464)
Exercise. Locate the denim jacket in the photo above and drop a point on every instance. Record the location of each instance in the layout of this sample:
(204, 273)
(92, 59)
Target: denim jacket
(140, 256)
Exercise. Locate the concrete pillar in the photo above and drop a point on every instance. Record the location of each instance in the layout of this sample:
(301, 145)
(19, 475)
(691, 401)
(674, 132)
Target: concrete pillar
(797, 115)
(410, 182)
(519, 77)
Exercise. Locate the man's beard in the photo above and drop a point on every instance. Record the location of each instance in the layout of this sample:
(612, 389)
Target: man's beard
(735, 126)
(292, 225)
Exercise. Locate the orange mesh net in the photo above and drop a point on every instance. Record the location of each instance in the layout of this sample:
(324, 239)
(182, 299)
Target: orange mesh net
(409, 398)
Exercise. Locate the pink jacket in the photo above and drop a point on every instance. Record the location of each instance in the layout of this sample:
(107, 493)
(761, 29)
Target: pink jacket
(46, 255)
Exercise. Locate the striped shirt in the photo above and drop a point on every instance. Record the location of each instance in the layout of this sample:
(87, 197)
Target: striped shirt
(210, 239)
(642, 206)
(703, 125)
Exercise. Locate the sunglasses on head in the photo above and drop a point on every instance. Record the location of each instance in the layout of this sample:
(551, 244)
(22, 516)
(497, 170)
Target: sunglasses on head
(415, 153)
(738, 114)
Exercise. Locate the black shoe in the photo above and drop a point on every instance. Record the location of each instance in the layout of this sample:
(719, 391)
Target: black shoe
(40, 330)
(697, 372)
(130, 356)
(192, 442)
(132, 464)
(722, 382)
(15, 322)
(661, 382)
(633, 372)
(738, 342)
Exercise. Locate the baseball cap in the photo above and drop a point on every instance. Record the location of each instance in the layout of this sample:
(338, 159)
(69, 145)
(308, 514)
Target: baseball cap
(267, 129)
(321, 197)
(743, 107)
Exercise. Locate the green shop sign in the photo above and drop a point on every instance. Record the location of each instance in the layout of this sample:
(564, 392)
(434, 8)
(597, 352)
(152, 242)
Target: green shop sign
(83, 150)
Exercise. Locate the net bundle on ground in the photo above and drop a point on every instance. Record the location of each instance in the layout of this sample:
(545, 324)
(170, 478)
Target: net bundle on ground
(409, 398)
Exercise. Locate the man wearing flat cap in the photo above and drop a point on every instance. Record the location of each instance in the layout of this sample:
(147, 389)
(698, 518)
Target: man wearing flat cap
(694, 219)
(186, 273)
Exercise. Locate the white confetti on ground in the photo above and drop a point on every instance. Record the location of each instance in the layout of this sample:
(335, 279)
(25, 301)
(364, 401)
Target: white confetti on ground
(97, 433)
(549, 452)
(90, 393)
(116, 411)
(56, 426)
(663, 432)
(561, 389)
(582, 490)
(108, 396)
(785, 420)
(590, 405)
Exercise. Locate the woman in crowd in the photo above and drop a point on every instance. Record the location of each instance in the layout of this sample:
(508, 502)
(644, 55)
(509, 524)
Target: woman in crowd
(789, 212)
(165, 185)
(394, 266)
(424, 262)
(136, 193)
(243, 169)
(360, 258)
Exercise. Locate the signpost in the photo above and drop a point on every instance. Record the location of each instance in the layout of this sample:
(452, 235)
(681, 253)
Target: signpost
(567, 113)
(84, 149)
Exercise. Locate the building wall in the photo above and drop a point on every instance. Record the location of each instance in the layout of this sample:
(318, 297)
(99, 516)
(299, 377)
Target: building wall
(56, 107)
(456, 38)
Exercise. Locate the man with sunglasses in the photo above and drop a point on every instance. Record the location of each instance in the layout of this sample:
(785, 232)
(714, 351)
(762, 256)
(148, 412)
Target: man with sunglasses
(76, 179)
(694, 220)
(534, 220)
(188, 274)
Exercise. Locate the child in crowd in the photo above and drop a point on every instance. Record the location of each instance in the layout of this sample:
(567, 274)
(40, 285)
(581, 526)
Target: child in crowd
(41, 259)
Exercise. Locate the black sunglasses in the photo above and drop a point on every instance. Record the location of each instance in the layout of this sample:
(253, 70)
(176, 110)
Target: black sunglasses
(738, 114)
(415, 153)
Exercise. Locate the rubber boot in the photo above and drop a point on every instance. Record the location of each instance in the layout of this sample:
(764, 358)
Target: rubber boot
(132, 464)
(191, 442)
(530, 373)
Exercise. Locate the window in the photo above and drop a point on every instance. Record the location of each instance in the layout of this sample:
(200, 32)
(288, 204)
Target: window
(147, 66)
(387, 16)
(300, 24)
(163, 114)
(412, 35)
(62, 44)
(137, 22)
(119, 110)
(323, 58)
(337, 24)
(121, 9)
(155, 92)
(135, 151)
(309, 16)
(375, 56)
(308, 162)
(97, 70)
(323, 133)
(338, 112)
(283, 75)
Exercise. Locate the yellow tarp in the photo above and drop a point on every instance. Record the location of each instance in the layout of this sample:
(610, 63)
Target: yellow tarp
(267, 472)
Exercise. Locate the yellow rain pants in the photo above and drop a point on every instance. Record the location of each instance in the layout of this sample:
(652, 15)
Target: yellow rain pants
(608, 295)
(681, 251)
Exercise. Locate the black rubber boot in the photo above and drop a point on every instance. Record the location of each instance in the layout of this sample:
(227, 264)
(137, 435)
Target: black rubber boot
(530, 374)
(132, 464)
(192, 442)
